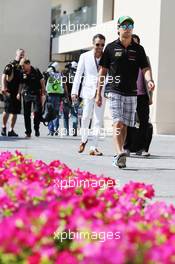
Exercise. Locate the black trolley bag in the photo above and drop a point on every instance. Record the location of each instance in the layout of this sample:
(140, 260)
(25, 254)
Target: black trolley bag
(132, 140)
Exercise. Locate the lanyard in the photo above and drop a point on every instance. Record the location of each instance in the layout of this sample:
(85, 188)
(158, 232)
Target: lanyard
(96, 63)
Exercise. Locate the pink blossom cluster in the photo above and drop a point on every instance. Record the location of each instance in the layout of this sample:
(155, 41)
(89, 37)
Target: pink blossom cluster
(34, 212)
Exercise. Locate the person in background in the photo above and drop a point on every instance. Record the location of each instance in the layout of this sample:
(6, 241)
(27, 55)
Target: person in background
(11, 79)
(33, 88)
(71, 107)
(56, 91)
(144, 99)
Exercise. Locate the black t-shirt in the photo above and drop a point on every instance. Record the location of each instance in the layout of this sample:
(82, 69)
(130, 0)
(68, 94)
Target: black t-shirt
(13, 68)
(123, 65)
(31, 81)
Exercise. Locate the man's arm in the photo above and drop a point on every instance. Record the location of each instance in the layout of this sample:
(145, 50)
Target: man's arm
(146, 69)
(43, 91)
(66, 91)
(148, 77)
(18, 96)
(101, 80)
(77, 78)
(43, 87)
(150, 93)
(4, 84)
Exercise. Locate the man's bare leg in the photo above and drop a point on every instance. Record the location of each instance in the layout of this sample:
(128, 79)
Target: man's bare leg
(5, 117)
(12, 121)
(119, 133)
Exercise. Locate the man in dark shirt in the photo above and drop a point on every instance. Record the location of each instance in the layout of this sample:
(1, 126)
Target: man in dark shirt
(121, 60)
(138, 139)
(11, 78)
(69, 106)
(33, 87)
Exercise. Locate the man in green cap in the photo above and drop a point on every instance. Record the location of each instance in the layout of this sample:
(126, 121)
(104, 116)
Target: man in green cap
(122, 59)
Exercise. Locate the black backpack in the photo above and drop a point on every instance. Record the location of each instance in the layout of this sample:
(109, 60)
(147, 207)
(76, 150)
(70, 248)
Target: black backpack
(48, 113)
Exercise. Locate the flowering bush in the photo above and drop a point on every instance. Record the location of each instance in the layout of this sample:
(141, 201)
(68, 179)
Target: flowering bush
(41, 223)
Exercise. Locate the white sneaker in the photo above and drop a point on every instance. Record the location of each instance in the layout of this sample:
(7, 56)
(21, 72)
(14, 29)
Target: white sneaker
(145, 153)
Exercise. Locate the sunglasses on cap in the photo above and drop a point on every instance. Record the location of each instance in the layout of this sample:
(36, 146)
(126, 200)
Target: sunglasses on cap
(98, 45)
(129, 26)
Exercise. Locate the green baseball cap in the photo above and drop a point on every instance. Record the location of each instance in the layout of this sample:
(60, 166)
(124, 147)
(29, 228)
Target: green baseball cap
(123, 19)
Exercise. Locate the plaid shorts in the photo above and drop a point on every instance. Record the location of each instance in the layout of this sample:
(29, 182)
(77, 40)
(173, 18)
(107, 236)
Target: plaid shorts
(123, 108)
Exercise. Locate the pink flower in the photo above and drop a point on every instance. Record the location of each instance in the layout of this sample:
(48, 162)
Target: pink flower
(34, 212)
(34, 259)
(66, 257)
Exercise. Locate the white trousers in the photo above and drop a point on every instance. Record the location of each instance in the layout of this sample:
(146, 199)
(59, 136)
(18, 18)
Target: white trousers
(91, 110)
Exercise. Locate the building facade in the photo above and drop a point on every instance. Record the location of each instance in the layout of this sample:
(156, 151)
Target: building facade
(154, 25)
(62, 30)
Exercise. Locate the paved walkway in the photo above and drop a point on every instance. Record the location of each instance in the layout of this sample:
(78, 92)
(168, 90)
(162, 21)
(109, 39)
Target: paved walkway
(158, 170)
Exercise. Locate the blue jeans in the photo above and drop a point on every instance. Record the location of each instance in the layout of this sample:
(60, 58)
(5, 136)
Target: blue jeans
(55, 100)
(74, 115)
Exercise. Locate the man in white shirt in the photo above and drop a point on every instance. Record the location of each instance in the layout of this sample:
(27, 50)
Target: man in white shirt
(88, 67)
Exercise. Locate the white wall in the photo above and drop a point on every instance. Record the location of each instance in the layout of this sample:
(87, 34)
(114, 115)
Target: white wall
(108, 11)
(165, 114)
(154, 22)
(25, 24)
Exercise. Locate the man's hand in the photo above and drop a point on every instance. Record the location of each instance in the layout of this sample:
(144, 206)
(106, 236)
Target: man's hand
(43, 99)
(7, 94)
(151, 85)
(150, 101)
(98, 99)
(18, 97)
(74, 97)
(5, 91)
(43, 92)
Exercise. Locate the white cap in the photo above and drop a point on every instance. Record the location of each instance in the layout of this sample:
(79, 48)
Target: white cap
(56, 66)
(50, 69)
(74, 64)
